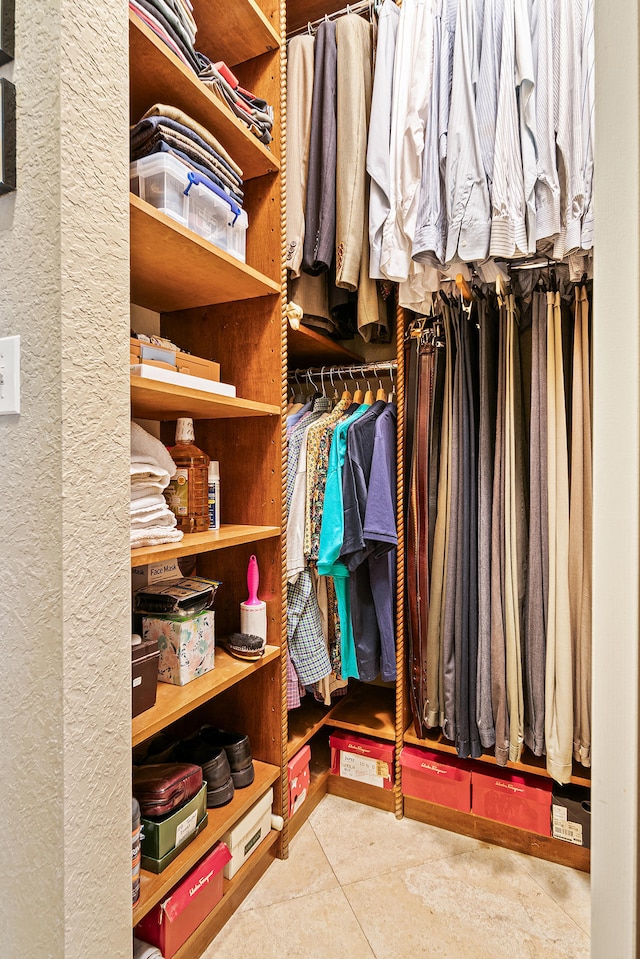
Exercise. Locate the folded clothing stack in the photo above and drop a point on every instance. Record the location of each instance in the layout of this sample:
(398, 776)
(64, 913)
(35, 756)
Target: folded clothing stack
(152, 522)
(254, 112)
(165, 129)
(172, 21)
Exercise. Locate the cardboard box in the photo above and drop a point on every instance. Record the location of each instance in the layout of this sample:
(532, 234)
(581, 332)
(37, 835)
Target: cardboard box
(244, 838)
(187, 646)
(571, 814)
(162, 835)
(162, 572)
(169, 924)
(184, 362)
(158, 865)
(366, 760)
(299, 778)
(436, 777)
(517, 799)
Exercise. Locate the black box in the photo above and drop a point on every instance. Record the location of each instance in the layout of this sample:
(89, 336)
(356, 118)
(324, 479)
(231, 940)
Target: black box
(571, 814)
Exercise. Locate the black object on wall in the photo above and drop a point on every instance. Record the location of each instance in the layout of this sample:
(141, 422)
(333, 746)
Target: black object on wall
(7, 136)
(7, 30)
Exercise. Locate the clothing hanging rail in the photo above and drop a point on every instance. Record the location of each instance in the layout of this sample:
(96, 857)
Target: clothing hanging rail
(363, 6)
(367, 369)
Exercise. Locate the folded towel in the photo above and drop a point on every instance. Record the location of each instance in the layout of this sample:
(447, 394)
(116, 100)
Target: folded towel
(155, 536)
(147, 449)
(147, 504)
(166, 519)
(143, 490)
(143, 473)
(142, 950)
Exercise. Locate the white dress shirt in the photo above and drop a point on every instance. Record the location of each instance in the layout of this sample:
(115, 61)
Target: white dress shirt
(547, 184)
(569, 142)
(412, 79)
(378, 147)
(588, 132)
(467, 194)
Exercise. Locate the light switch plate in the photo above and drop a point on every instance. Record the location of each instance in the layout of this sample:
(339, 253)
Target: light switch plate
(9, 374)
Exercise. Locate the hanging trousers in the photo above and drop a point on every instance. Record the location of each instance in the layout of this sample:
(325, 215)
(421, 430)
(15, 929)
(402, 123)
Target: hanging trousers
(498, 522)
(451, 583)
(580, 524)
(488, 320)
(437, 596)
(559, 663)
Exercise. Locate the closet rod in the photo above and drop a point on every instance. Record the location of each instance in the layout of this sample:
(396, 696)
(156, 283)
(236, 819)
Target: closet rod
(372, 6)
(366, 369)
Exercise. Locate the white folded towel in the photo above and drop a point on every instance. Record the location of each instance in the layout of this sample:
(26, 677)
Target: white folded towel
(147, 473)
(155, 536)
(165, 519)
(141, 490)
(148, 503)
(146, 448)
(142, 950)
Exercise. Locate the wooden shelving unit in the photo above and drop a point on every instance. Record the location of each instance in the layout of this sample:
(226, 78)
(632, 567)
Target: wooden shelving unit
(305, 722)
(369, 710)
(164, 253)
(529, 763)
(193, 543)
(307, 347)
(156, 400)
(236, 31)
(158, 76)
(154, 887)
(486, 830)
(174, 702)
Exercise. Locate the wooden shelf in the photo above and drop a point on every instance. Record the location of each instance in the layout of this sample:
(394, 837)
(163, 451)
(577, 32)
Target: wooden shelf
(154, 887)
(193, 543)
(158, 76)
(362, 792)
(486, 830)
(173, 702)
(233, 892)
(529, 764)
(156, 400)
(172, 268)
(305, 722)
(307, 347)
(233, 30)
(369, 710)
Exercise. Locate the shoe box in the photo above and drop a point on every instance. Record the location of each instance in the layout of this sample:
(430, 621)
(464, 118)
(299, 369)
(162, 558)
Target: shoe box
(361, 758)
(246, 835)
(436, 777)
(517, 799)
(299, 778)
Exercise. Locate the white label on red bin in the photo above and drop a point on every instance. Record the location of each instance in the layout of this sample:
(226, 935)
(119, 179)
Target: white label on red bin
(365, 770)
(187, 827)
(569, 831)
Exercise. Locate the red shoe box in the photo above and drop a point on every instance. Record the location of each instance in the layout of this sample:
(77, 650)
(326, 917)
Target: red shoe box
(517, 799)
(299, 778)
(438, 778)
(366, 760)
(169, 924)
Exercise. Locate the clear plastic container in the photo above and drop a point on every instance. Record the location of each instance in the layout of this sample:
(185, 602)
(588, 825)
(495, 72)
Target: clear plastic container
(161, 179)
(218, 219)
(237, 237)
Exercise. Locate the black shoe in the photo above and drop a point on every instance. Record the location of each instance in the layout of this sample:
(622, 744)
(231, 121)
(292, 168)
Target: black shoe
(238, 750)
(162, 749)
(215, 768)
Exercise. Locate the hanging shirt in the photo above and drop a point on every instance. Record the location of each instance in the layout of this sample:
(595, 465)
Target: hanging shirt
(547, 190)
(467, 194)
(378, 147)
(299, 92)
(588, 132)
(567, 48)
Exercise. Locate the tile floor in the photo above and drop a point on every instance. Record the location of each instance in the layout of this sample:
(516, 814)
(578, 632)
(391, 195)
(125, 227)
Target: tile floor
(360, 883)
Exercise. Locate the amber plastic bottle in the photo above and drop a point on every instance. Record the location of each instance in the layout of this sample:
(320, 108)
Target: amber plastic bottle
(187, 493)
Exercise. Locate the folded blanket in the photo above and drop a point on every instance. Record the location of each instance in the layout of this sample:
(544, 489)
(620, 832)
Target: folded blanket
(145, 448)
(142, 950)
(155, 536)
(173, 113)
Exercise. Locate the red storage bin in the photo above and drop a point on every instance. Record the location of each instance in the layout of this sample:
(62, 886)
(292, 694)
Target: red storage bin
(367, 760)
(438, 778)
(517, 799)
(169, 924)
(299, 778)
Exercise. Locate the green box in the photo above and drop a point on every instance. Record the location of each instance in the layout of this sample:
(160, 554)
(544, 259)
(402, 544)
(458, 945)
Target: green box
(157, 865)
(161, 836)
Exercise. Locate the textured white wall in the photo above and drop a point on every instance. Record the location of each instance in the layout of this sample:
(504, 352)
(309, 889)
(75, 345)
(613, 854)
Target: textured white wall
(64, 690)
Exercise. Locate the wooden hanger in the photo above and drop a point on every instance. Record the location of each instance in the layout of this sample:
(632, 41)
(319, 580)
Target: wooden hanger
(381, 394)
(465, 289)
(368, 396)
(358, 395)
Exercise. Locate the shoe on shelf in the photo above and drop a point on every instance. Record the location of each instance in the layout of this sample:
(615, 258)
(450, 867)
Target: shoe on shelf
(161, 749)
(215, 768)
(238, 750)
